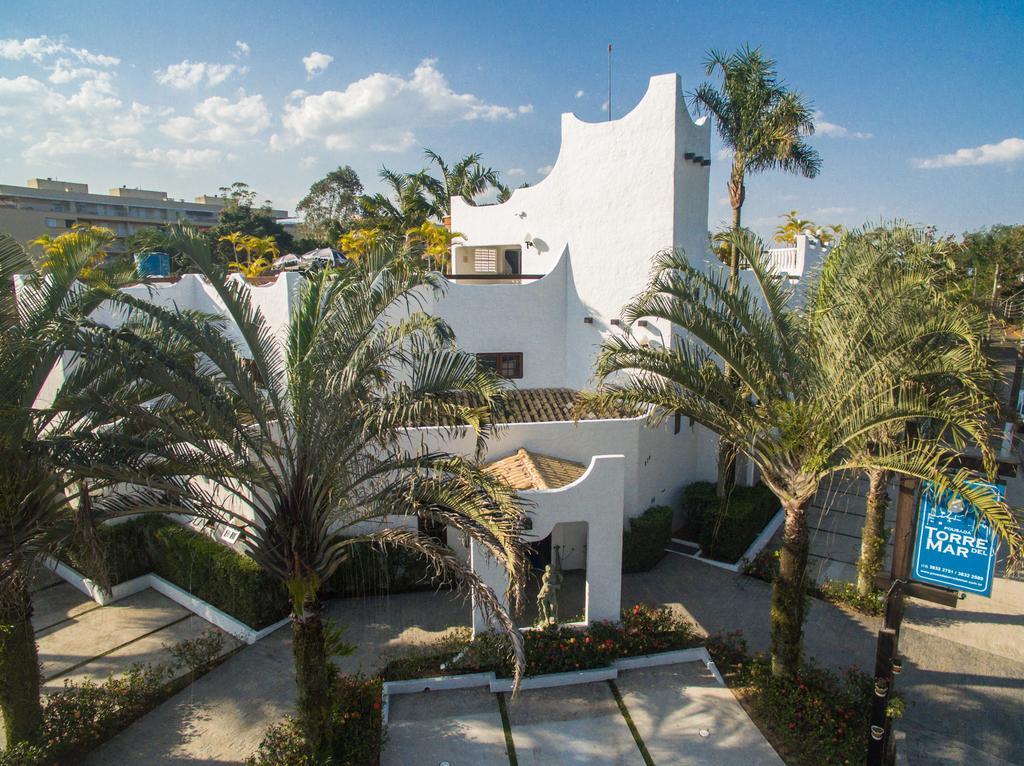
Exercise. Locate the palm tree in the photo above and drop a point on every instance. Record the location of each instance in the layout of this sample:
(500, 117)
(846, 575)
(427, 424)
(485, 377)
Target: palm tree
(467, 178)
(759, 119)
(307, 446)
(786, 232)
(40, 426)
(808, 391)
(878, 280)
(406, 207)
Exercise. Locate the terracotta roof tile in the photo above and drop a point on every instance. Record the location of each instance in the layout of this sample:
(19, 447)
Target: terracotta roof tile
(542, 405)
(526, 470)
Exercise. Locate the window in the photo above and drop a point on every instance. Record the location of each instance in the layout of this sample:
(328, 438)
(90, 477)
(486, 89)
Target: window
(52, 223)
(507, 364)
(486, 259)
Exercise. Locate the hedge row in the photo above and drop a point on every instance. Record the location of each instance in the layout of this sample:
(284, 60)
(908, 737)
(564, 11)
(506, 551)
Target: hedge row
(726, 529)
(232, 581)
(643, 544)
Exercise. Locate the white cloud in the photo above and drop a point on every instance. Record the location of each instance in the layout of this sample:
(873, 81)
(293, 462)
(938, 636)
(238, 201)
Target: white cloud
(42, 49)
(834, 210)
(316, 63)
(241, 49)
(308, 162)
(580, 94)
(189, 74)
(381, 112)
(514, 172)
(823, 127)
(1006, 151)
(221, 120)
(544, 170)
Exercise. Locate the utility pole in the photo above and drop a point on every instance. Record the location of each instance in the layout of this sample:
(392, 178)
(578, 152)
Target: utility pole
(609, 82)
(881, 746)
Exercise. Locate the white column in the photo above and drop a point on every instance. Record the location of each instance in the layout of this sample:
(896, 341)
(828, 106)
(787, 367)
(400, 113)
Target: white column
(493, 574)
(604, 546)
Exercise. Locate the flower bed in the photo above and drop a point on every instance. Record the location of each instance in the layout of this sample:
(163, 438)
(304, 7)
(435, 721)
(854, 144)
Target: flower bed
(818, 717)
(839, 592)
(356, 730)
(81, 716)
(643, 630)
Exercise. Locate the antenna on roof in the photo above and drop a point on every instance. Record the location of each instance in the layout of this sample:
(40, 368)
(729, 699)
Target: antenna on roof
(609, 82)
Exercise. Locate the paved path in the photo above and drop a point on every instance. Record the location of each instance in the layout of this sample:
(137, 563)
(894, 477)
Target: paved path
(964, 678)
(221, 717)
(78, 639)
(682, 716)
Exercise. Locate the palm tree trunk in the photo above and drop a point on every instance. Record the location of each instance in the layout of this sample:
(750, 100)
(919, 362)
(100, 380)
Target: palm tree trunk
(789, 591)
(872, 539)
(727, 451)
(314, 677)
(20, 712)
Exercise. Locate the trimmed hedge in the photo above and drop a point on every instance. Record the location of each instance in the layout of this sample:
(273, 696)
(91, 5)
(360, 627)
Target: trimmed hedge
(726, 529)
(232, 581)
(643, 544)
(220, 576)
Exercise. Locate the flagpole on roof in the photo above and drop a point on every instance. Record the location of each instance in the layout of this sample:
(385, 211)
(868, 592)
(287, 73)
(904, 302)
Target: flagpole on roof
(609, 82)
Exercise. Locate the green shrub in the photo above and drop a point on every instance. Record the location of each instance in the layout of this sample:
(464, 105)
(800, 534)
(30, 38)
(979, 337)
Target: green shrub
(554, 649)
(842, 593)
(697, 497)
(357, 735)
(24, 754)
(373, 569)
(729, 527)
(643, 545)
(218, 575)
(817, 717)
(126, 548)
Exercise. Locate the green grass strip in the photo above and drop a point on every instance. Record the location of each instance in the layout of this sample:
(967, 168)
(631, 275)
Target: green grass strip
(510, 746)
(629, 722)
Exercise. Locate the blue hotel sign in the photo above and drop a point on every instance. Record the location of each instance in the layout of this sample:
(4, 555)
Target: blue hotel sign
(955, 547)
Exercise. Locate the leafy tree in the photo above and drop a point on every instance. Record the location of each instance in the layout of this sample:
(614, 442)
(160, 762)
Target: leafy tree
(973, 265)
(307, 445)
(330, 205)
(48, 438)
(241, 217)
(467, 178)
(434, 242)
(358, 243)
(759, 119)
(402, 207)
(809, 390)
(877, 281)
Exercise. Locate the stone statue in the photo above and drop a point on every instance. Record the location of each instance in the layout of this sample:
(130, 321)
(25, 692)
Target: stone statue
(547, 598)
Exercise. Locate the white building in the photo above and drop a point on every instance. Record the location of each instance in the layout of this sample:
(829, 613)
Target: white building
(537, 283)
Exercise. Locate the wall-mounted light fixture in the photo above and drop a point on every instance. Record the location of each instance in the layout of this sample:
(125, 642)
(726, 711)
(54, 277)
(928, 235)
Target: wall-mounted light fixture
(617, 322)
(688, 155)
(528, 239)
(642, 323)
(706, 163)
(588, 320)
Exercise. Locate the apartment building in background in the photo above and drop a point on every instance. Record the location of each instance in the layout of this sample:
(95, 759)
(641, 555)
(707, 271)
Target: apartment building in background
(50, 206)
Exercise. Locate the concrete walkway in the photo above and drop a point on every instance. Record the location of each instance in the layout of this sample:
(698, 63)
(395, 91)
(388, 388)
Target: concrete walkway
(222, 716)
(682, 715)
(78, 639)
(964, 680)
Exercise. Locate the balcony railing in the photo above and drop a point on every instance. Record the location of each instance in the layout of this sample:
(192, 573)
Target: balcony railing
(495, 277)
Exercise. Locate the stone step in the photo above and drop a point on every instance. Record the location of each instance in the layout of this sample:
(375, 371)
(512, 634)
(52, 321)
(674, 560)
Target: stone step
(682, 547)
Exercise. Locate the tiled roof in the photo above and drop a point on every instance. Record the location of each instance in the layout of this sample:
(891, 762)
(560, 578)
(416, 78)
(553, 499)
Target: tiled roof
(525, 470)
(543, 405)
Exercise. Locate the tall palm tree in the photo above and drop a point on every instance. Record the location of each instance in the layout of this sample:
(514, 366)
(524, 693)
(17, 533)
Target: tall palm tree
(467, 178)
(40, 423)
(759, 119)
(808, 391)
(878, 279)
(307, 447)
(405, 206)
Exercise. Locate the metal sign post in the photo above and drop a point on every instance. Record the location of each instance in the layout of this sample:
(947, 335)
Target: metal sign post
(954, 550)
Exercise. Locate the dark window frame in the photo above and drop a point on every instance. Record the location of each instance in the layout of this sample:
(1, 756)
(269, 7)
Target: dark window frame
(499, 357)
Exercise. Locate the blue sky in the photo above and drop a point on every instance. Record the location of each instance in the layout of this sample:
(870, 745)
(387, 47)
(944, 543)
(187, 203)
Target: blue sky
(921, 104)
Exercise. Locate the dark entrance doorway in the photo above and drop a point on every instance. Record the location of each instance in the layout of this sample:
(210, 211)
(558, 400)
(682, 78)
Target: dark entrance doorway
(540, 553)
(514, 261)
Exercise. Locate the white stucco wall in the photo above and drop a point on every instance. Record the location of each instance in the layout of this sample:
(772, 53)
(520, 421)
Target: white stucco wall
(619, 192)
(595, 499)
